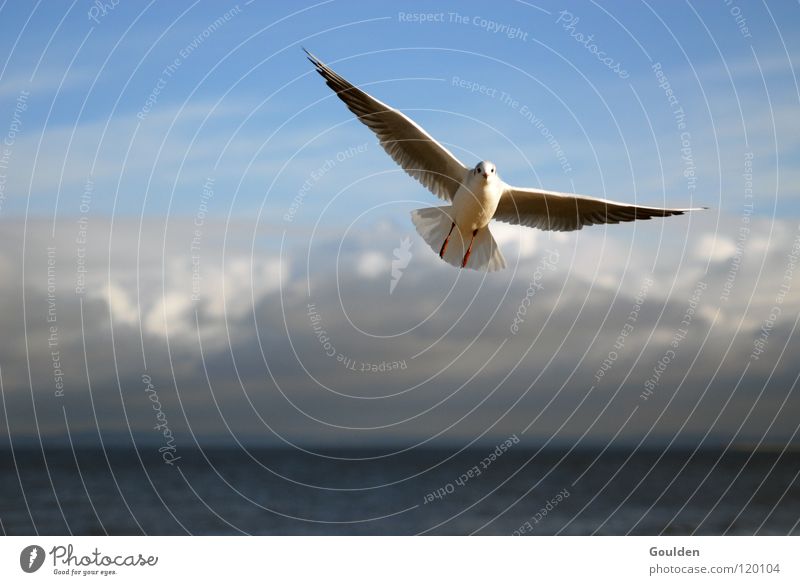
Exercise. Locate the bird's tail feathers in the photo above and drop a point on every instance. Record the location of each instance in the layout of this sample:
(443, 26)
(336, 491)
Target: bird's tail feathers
(434, 223)
(486, 253)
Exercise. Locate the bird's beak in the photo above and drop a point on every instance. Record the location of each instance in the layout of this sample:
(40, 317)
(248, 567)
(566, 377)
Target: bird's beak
(485, 175)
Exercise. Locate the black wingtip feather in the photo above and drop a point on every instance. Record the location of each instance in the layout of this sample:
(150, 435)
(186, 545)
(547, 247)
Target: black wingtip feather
(314, 60)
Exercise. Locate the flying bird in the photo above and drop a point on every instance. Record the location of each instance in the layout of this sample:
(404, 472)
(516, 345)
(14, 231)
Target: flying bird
(459, 232)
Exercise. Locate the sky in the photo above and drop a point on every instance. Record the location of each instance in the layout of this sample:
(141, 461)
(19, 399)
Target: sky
(197, 236)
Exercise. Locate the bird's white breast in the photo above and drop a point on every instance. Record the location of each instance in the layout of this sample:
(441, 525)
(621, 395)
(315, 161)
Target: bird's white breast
(475, 202)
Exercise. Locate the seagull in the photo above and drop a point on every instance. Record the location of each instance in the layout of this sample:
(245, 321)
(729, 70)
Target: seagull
(459, 232)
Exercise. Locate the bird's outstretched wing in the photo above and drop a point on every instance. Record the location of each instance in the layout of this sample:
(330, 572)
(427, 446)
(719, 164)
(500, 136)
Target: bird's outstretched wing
(409, 145)
(565, 212)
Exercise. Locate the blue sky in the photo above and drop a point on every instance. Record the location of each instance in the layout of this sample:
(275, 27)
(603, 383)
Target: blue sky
(245, 97)
(299, 205)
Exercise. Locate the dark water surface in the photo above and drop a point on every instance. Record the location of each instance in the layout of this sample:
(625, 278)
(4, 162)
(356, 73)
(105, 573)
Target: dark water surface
(274, 491)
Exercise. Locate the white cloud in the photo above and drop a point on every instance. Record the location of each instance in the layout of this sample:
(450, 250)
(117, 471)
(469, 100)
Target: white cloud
(170, 314)
(455, 319)
(715, 247)
(371, 264)
(122, 309)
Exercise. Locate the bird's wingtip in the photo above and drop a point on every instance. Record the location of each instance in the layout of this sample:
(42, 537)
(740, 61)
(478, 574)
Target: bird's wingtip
(311, 57)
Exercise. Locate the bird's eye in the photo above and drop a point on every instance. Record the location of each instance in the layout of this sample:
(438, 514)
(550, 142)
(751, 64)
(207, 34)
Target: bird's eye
(492, 170)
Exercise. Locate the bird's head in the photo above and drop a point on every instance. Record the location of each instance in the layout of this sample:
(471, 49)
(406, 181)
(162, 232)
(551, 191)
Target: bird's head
(486, 170)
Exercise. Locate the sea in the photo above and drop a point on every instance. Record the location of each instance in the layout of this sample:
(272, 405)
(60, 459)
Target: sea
(486, 491)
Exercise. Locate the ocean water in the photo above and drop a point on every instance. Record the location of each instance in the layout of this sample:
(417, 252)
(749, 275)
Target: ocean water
(283, 492)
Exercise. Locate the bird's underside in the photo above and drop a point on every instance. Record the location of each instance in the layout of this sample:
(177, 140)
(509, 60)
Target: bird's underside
(459, 232)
